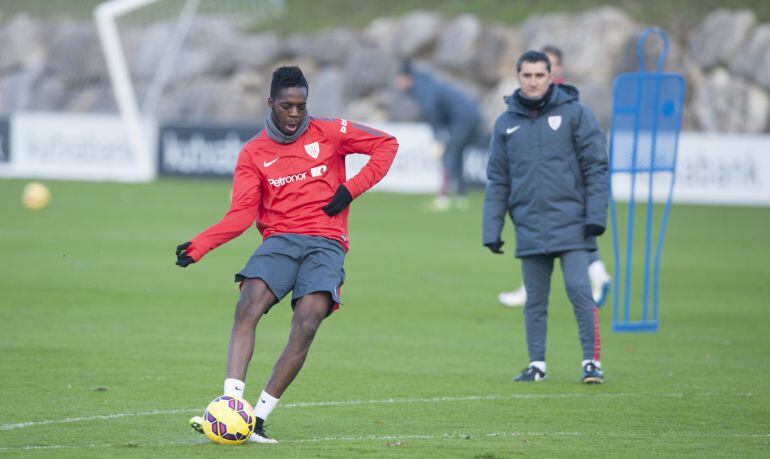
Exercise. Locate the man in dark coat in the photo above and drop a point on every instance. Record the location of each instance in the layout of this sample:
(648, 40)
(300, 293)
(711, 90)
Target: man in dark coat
(548, 170)
(597, 272)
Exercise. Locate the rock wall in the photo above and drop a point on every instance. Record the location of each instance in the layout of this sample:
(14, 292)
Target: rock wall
(224, 74)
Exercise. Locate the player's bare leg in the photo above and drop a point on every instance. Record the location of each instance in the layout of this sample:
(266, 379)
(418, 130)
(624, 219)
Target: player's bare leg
(309, 312)
(256, 297)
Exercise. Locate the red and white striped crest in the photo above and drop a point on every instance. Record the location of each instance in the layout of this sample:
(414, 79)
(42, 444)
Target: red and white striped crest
(553, 121)
(313, 150)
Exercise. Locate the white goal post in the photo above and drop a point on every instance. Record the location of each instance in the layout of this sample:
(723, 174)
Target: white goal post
(134, 114)
(123, 89)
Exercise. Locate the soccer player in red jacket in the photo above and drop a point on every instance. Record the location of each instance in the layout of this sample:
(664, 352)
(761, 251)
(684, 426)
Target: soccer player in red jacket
(290, 180)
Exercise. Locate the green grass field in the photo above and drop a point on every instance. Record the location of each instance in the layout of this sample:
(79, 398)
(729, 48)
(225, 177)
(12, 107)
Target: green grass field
(313, 15)
(107, 348)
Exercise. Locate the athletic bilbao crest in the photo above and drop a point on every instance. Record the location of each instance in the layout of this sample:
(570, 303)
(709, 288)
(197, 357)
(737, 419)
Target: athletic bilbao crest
(313, 150)
(553, 121)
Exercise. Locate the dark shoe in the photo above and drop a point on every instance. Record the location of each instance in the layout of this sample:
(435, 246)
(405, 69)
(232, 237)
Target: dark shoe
(259, 435)
(592, 374)
(531, 373)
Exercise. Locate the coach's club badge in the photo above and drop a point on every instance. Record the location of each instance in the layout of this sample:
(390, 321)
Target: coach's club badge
(313, 150)
(553, 121)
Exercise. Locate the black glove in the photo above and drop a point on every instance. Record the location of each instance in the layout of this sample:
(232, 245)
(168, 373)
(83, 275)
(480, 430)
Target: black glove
(592, 230)
(340, 200)
(495, 247)
(182, 259)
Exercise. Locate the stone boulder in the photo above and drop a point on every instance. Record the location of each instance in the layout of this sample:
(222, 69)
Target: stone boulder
(201, 52)
(249, 52)
(367, 68)
(50, 94)
(331, 46)
(457, 45)
(754, 61)
(208, 32)
(724, 103)
(193, 101)
(190, 64)
(296, 45)
(96, 98)
(417, 33)
(592, 41)
(202, 45)
(147, 49)
(370, 109)
(498, 49)
(721, 36)
(382, 33)
(492, 103)
(598, 98)
(18, 90)
(23, 43)
(252, 90)
(214, 99)
(327, 95)
(75, 54)
(551, 29)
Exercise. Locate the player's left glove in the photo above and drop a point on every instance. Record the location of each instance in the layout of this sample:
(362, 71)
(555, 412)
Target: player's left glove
(495, 247)
(340, 200)
(592, 230)
(182, 259)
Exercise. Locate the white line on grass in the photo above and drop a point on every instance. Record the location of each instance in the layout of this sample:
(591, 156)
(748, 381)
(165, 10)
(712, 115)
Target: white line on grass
(396, 437)
(466, 436)
(104, 445)
(387, 401)
(22, 425)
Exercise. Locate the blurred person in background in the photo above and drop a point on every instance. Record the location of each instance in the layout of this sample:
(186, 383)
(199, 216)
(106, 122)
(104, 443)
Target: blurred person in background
(597, 272)
(290, 181)
(548, 171)
(556, 57)
(455, 119)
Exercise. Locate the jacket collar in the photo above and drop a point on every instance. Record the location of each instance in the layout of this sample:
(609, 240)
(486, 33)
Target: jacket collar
(560, 94)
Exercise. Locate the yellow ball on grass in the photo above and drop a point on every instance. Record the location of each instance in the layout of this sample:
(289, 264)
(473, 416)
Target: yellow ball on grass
(228, 420)
(35, 196)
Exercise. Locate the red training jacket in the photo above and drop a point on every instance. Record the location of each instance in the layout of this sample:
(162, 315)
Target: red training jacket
(284, 186)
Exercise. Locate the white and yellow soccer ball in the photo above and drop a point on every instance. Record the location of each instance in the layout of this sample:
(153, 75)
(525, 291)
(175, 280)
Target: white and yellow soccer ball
(35, 196)
(228, 420)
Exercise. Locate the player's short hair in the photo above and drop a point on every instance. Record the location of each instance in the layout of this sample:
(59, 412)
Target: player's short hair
(287, 77)
(533, 56)
(556, 51)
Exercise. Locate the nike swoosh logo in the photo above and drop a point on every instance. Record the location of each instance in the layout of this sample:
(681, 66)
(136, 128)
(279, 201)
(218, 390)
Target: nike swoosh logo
(510, 131)
(262, 400)
(269, 163)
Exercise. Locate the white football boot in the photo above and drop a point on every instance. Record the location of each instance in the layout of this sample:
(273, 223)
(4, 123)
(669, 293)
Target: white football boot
(513, 299)
(600, 282)
(440, 204)
(196, 422)
(259, 435)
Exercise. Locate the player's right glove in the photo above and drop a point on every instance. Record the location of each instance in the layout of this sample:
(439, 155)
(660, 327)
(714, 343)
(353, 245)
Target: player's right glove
(182, 259)
(592, 230)
(495, 247)
(341, 199)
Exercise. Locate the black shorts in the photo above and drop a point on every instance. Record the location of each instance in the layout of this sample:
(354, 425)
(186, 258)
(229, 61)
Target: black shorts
(299, 264)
